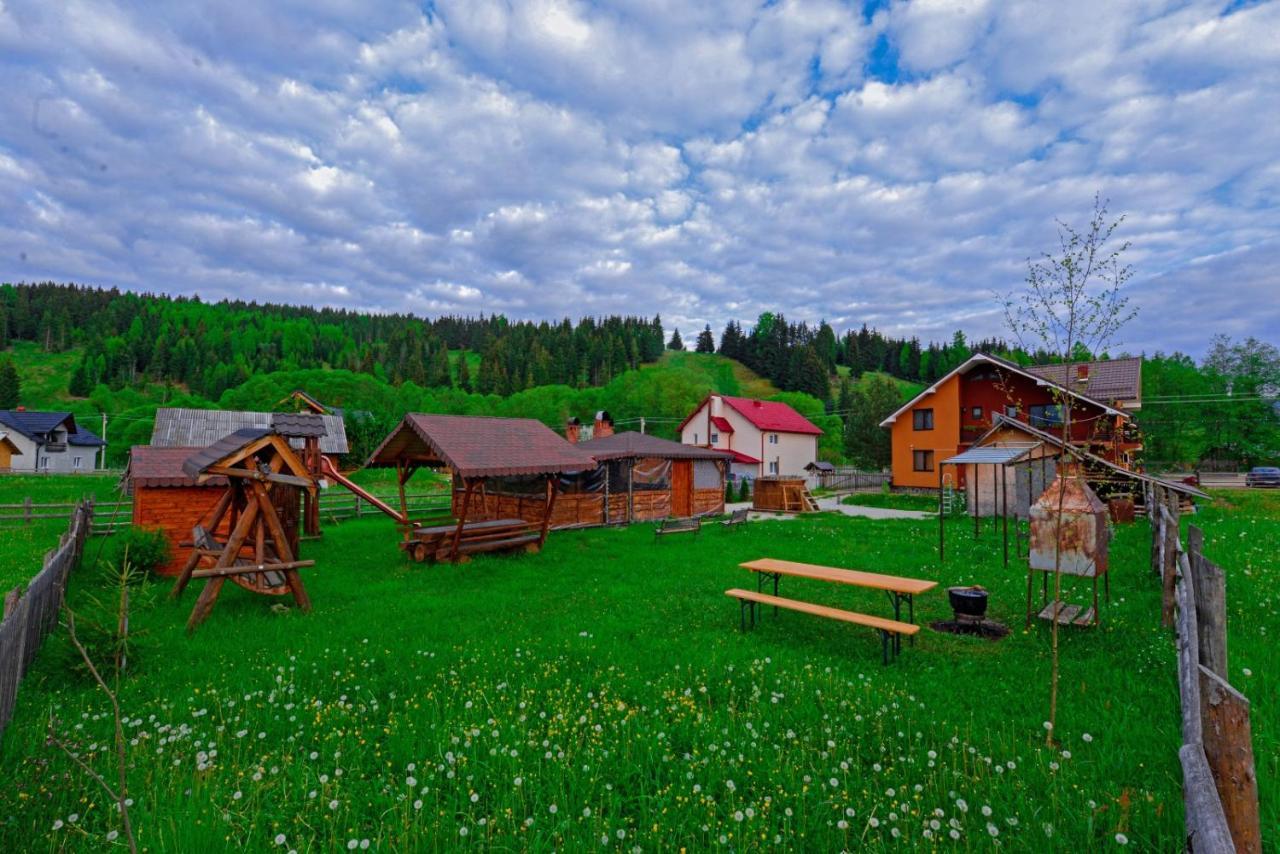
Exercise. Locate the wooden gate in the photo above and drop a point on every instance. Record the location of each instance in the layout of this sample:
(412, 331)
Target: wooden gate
(682, 488)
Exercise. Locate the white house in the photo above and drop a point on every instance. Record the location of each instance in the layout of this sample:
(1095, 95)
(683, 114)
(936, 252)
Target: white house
(49, 442)
(765, 437)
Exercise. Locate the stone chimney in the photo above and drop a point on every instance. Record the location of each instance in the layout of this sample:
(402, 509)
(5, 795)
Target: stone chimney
(604, 425)
(573, 431)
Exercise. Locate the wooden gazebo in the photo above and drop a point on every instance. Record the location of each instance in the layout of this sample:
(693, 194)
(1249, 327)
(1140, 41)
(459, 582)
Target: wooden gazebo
(520, 453)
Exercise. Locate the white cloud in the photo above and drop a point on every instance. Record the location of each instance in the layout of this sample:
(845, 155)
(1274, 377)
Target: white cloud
(707, 160)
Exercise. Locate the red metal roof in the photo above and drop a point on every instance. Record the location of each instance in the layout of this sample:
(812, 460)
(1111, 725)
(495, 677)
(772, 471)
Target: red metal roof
(155, 466)
(481, 447)
(772, 415)
(739, 457)
(721, 423)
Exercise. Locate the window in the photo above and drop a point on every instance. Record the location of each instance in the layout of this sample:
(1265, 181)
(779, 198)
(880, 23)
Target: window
(773, 438)
(77, 463)
(715, 438)
(44, 463)
(1011, 410)
(695, 438)
(922, 419)
(1046, 415)
(976, 413)
(773, 467)
(922, 460)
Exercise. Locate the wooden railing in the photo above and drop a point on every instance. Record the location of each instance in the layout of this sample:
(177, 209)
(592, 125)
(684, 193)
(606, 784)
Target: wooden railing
(1220, 789)
(846, 479)
(30, 615)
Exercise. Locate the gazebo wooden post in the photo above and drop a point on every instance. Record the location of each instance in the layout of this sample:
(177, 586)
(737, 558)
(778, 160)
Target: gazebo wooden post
(552, 489)
(1004, 511)
(404, 471)
(462, 518)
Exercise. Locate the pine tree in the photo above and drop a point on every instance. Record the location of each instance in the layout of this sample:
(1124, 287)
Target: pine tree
(464, 372)
(10, 385)
(675, 343)
(744, 490)
(706, 341)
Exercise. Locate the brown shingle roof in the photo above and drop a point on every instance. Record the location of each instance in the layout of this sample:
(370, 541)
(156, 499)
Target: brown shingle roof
(482, 447)
(631, 444)
(1109, 380)
(154, 466)
(202, 459)
(299, 424)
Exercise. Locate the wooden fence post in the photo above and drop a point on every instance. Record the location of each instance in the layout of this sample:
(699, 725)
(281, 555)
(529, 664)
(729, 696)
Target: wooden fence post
(1211, 604)
(26, 510)
(1206, 825)
(1169, 556)
(1154, 503)
(1228, 747)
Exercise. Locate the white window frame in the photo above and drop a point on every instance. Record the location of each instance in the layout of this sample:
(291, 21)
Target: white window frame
(715, 438)
(773, 438)
(773, 466)
(44, 463)
(77, 463)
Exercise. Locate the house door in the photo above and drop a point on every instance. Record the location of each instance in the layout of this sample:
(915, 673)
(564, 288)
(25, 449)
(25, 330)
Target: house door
(682, 488)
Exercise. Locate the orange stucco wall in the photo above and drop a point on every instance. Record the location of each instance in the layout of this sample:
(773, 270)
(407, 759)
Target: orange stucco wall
(943, 439)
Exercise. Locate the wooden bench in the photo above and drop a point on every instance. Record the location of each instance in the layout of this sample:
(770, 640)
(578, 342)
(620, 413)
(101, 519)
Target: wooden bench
(890, 630)
(436, 542)
(691, 525)
(736, 518)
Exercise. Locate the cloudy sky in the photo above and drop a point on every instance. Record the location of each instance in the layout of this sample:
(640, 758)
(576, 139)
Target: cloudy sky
(893, 163)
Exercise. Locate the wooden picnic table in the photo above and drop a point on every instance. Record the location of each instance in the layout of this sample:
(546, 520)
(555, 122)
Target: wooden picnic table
(897, 588)
(440, 530)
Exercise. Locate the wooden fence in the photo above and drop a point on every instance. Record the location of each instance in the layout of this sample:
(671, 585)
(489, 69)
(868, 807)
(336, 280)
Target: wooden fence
(1220, 789)
(847, 479)
(29, 616)
(112, 516)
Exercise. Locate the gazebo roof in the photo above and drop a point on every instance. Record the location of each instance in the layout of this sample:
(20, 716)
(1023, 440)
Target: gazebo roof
(481, 447)
(631, 444)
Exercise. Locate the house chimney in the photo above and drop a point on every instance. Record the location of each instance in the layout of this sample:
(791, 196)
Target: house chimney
(22, 409)
(604, 425)
(1082, 373)
(573, 431)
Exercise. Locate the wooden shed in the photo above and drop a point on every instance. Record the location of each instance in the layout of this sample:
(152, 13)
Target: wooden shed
(645, 478)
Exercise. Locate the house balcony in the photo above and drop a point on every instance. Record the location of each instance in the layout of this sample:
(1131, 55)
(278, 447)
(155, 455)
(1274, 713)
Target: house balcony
(55, 447)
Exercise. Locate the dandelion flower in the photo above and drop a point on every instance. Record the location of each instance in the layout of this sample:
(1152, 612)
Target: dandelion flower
(1086, 738)
(1121, 839)
(462, 831)
(333, 805)
(111, 835)
(553, 809)
(279, 839)
(57, 824)
(353, 844)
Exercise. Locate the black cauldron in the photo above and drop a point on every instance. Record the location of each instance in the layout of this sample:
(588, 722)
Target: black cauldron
(968, 601)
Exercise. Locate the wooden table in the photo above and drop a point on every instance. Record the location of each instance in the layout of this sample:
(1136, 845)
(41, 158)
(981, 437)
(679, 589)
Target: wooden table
(440, 530)
(898, 589)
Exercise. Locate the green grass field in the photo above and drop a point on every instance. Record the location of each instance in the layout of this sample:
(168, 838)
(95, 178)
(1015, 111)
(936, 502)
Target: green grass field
(22, 546)
(601, 695)
(893, 501)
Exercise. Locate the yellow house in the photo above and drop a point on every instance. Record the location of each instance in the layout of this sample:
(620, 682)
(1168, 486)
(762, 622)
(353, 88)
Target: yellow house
(8, 450)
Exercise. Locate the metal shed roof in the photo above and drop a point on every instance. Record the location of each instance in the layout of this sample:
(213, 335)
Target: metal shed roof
(992, 454)
(199, 428)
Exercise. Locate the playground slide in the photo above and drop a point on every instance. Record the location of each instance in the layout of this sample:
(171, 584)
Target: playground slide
(329, 470)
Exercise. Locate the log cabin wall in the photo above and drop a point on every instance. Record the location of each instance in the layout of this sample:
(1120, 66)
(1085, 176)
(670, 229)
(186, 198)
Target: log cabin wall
(175, 511)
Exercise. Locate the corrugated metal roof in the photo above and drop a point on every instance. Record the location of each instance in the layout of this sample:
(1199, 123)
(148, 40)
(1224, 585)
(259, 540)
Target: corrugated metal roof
(632, 444)
(992, 454)
(200, 428)
(482, 447)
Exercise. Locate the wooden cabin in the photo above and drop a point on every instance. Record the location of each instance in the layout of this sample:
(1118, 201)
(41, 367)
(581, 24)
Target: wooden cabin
(645, 478)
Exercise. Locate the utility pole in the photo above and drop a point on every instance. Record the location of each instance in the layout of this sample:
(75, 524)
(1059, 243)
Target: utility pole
(103, 464)
(641, 425)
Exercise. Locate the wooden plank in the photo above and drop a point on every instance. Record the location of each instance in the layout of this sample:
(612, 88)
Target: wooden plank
(826, 611)
(1210, 585)
(1228, 748)
(1169, 557)
(250, 568)
(1188, 662)
(1087, 617)
(853, 577)
(1066, 612)
(1207, 831)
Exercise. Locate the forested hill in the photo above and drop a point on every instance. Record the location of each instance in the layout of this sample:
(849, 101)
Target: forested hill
(208, 348)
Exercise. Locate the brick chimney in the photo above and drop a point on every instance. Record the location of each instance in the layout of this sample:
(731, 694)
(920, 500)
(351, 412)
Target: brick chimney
(573, 431)
(604, 425)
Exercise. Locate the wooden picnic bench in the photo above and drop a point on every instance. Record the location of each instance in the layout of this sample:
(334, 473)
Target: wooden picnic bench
(899, 590)
(436, 542)
(736, 519)
(691, 525)
(890, 631)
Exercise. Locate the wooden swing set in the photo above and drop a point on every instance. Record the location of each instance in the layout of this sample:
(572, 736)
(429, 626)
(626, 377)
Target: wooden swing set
(250, 535)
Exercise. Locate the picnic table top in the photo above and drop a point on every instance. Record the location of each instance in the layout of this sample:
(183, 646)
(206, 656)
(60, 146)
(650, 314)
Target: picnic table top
(469, 526)
(856, 578)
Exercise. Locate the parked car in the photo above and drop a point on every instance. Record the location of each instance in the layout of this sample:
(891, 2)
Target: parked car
(1262, 476)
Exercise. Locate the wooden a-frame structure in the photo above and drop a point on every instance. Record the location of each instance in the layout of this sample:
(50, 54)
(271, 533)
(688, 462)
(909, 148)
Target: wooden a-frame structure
(259, 552)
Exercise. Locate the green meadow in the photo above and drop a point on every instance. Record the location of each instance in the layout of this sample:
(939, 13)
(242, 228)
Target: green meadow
(601, 695)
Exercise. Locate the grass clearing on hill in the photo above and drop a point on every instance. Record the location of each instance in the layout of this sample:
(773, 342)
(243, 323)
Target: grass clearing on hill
(602, 691)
